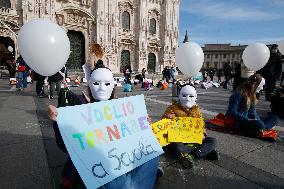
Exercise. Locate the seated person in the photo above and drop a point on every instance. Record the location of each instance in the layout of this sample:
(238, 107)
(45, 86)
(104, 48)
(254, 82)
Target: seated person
(100, 88)
(242, 104)
(187, 107)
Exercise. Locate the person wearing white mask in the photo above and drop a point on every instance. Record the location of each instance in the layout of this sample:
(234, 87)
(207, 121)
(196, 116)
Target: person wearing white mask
(241, 108)
(186, 106)
(101, 88)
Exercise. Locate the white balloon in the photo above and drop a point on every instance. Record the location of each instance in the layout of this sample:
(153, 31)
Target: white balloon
(10, 49)
(44, 46)
(255, 56)
(189, 58)
(281, 46)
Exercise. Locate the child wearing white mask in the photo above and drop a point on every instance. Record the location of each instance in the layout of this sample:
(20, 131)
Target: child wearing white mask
(187, 107)
(101, 88)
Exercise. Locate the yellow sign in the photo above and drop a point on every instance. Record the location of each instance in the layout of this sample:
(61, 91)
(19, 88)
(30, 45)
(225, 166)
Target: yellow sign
(187, 130)
(160, 129)
(181, 129)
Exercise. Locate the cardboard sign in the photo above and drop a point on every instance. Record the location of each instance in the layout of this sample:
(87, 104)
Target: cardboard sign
(160, 129)
(181, 129)
(108, 139)
(187, 130)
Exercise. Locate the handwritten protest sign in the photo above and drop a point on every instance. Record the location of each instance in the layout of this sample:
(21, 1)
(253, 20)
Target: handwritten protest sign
(108, 139)
(186, 130)
(160, 129)
(181, 129)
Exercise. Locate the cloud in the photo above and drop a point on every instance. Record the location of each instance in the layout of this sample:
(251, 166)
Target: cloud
(228, 11)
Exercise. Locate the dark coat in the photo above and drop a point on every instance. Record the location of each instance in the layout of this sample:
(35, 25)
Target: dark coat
(56, 77)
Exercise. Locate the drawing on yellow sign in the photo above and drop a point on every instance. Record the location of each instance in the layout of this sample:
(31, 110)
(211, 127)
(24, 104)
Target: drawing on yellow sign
(187, 130)
(181, 129)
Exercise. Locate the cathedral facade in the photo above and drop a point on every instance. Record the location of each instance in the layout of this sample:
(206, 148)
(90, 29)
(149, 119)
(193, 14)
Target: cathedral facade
(136, 33)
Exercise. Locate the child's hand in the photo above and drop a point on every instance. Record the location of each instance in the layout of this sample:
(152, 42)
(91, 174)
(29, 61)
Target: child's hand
(52, 113)
(171, 116)
(149, 119)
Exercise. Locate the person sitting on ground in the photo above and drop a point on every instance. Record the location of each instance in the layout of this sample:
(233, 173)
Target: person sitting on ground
(100, 88)
(186, 107)
(242, 110)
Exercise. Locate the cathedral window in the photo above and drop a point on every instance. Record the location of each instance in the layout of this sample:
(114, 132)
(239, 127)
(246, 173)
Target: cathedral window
(5, 3)
(125, 20)
(153, 26)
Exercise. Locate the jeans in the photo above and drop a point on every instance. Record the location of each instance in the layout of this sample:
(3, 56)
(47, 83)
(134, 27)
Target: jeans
(201, 150)
(262, 124)
(142, 177)
(22, 80)
(56, 84)
(40, 86)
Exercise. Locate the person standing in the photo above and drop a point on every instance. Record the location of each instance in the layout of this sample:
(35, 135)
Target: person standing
(271, 71)
(55, 81)
(39, 85)
(22, 69)
(227, 74)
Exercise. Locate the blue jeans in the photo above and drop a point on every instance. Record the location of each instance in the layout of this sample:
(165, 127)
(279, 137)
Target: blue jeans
(22, 80)
(142, 177)
(262, 124)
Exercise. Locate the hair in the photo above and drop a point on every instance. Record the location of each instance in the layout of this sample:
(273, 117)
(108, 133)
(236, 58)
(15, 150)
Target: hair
(248, 89)
(112, 96)
(97, 50)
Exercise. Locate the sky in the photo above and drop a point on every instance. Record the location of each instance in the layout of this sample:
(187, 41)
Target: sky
(232, 21)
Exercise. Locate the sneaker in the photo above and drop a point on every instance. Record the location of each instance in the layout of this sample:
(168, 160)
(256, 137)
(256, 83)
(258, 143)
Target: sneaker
(214, 155)
(187, 160)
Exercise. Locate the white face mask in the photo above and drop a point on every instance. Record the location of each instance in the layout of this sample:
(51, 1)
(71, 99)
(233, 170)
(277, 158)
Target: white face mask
(260, 86)
(188, 96)
(101, 84)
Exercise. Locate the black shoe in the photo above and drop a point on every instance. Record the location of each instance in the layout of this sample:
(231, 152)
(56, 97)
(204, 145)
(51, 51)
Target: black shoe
(51, 97)
(42, 95)
(160, 172)
(187, 161)
(214, 155)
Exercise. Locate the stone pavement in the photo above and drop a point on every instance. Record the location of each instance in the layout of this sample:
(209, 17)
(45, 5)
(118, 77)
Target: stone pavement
(30, 157)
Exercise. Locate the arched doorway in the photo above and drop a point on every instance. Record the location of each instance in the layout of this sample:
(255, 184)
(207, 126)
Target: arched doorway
(77, 47)
(151, 67)
(5, 42)
(125, 60)
(5, 3)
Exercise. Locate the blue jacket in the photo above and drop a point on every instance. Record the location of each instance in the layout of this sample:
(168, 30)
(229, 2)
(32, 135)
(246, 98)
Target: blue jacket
(238, 109)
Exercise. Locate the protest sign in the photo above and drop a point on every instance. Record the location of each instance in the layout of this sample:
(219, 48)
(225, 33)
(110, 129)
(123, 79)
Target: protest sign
(108, 139)
(186, 130)
(180, 129)
(160, 129)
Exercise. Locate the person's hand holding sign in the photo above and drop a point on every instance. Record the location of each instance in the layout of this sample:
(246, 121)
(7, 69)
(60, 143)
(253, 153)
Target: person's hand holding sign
(52, 113)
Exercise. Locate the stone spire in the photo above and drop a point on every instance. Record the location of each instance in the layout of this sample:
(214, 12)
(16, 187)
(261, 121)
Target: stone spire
(185, 37)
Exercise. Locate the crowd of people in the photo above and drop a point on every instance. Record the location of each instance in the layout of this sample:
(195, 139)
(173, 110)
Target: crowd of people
(241, 111)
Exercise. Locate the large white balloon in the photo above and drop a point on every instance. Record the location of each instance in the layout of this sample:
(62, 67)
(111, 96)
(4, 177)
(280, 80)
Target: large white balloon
(44, 46)
(189, 58)
(281, 46)
(255, 56)
(10, 49)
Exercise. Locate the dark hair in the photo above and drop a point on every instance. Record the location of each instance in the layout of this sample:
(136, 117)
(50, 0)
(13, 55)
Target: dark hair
(248, 88)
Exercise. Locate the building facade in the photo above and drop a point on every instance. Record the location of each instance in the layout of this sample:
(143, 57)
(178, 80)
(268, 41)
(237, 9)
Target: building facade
(216, 55)
(136, 33)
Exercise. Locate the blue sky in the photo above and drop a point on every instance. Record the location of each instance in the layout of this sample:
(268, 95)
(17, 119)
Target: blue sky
(232, 21)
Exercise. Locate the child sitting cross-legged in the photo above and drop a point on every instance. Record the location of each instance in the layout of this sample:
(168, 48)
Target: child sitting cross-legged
(186, 107)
